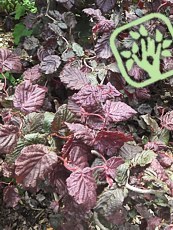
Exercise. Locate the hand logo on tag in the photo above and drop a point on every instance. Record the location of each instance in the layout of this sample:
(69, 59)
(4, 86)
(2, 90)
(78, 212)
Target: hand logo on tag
(147, 51)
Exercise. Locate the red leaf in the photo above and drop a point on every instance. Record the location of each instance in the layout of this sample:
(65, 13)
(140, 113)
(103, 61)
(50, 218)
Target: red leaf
(112, 164)
(108, 142)
(73, 77)
(28, 97)
(82, 133)
(32, 74)
(9, 61)
(34, 162)
(82, 186)
(11, 196)
(167, 120)
(8, 138)
(104, 26)
(90, 96)
(118, 111)
(50, 64)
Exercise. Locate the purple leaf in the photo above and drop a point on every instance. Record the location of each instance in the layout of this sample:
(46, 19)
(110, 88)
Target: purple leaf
(167, 120)
(112, 164)
(108, 142)
(30, 43)
(28, 97)
(76, 153)
(8, 170)
(94, 13)
(9, 61)
(165, 160)
(34, 162)
(105, 5)
(90, 96)
(82, 133)
(118, 111)
(8, 138)
(82, 186)
(73, 107)
(153, 223)
(159, 170)
(73, 77)
(11, 196)
(50, 64)
(137, 73)
(142, 93)
(155, 146)
(32, 74)
(102, 48)
(57, 179)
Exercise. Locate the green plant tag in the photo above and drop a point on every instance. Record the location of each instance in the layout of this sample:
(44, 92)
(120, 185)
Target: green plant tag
(146, 51)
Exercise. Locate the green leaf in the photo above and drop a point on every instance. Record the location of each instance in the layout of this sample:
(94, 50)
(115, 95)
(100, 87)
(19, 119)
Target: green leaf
(62, 115)
(110, 200)
(143, 31)
(10, 158)
(33, 123)
(20, 11)
(166, 43)
(164, 136)
(159, 36)
(154, 127)
(135, 48)
(47, 123)
(78, 49)
(35, 138)
(166, 53)
(134, 35)
(113, 67)
(9, 77)
(126, 54)
(144, 158)
(121, 174)
(62, 25)
(20, 31)
(129, 64)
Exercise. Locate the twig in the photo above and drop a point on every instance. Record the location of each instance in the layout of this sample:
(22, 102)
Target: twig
(143, 191)
(40, 213)
(55, 197)
(47, 11)
(97, 222)
(99, 154)
(85, 63)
